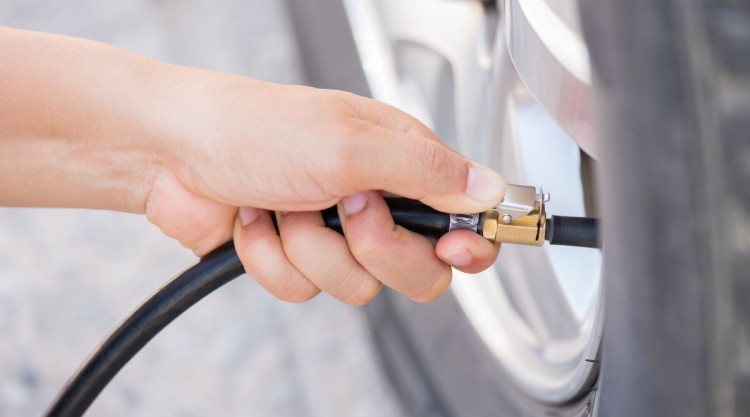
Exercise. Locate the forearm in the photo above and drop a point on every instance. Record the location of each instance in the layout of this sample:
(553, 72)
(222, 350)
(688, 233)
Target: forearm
(80, 123)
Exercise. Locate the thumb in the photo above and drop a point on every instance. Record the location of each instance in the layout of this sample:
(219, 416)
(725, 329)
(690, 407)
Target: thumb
(427, 170)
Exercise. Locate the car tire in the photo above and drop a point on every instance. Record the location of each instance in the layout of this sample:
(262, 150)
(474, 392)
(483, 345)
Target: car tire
(672, 93)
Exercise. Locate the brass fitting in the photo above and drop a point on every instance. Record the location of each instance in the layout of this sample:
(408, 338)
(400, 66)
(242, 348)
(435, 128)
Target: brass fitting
(519, 219)
(526, 230)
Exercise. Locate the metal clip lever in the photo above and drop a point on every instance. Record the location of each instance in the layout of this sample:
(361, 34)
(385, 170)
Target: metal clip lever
(520, 201)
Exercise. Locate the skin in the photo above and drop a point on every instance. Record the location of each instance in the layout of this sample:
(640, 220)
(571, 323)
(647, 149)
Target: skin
(209, 157)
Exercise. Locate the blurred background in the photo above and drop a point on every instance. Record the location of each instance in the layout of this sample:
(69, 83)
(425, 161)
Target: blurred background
(67, 277)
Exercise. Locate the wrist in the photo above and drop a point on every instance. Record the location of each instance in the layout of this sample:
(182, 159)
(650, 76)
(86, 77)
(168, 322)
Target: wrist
(121, 153)
(206, 119)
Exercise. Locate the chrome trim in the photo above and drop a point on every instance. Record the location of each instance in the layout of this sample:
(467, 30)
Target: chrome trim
(464, 222)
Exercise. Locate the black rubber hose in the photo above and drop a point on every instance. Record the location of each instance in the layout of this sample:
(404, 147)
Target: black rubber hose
(214, 270)
(410, 214)
(573, 231)
(220, 267)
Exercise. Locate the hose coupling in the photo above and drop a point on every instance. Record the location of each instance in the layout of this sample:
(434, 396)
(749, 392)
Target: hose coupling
(520, 218)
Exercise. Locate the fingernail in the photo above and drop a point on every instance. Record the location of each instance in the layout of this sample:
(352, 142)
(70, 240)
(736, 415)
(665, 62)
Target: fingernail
(459, 258)
(248, 215)
(484, 185)
(354, 203)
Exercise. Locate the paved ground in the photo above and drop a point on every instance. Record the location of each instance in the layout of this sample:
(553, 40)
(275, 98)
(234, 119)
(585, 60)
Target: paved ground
(67, 277)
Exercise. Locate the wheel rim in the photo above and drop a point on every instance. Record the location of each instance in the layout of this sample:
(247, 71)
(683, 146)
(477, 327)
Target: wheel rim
(538, 310)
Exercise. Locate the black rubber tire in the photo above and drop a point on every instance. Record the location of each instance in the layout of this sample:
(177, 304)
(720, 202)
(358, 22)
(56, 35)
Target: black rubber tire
(673, 100)
(673, 120)
(440, 367)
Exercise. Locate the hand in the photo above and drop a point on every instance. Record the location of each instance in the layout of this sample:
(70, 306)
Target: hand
(94, 126)
(289, 152)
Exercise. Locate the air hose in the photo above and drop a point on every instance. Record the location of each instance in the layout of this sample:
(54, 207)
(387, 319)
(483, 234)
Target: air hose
(211, 272)
(223, 265)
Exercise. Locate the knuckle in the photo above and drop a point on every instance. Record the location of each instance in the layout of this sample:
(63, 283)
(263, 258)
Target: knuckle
(437, 162)
(294, 234)
(417, 128)
(341, 161)
(298, 298)
(248, 266)
(365, 296)
(294, 288)
(246, 254)
(348, 130)
(434, 157)
(359, 290)
(427, 297)
(297, 289)
(433, 288)
(370, 246)
(292, 243)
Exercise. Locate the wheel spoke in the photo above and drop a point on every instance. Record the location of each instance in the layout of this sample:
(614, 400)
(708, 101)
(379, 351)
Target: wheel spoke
(537, 295)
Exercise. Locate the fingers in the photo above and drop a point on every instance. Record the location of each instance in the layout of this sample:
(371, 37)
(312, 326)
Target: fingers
(260, 250)
(467, 251)
(322, 255)
(306, 258)
(309, 256)
(403, 260)
(199, 223)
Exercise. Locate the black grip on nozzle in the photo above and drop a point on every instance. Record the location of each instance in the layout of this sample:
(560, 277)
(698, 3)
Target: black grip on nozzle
(573, 231)
(410, 214)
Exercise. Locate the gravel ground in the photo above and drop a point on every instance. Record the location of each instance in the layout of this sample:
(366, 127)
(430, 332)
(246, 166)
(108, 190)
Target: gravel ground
(69, 276)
